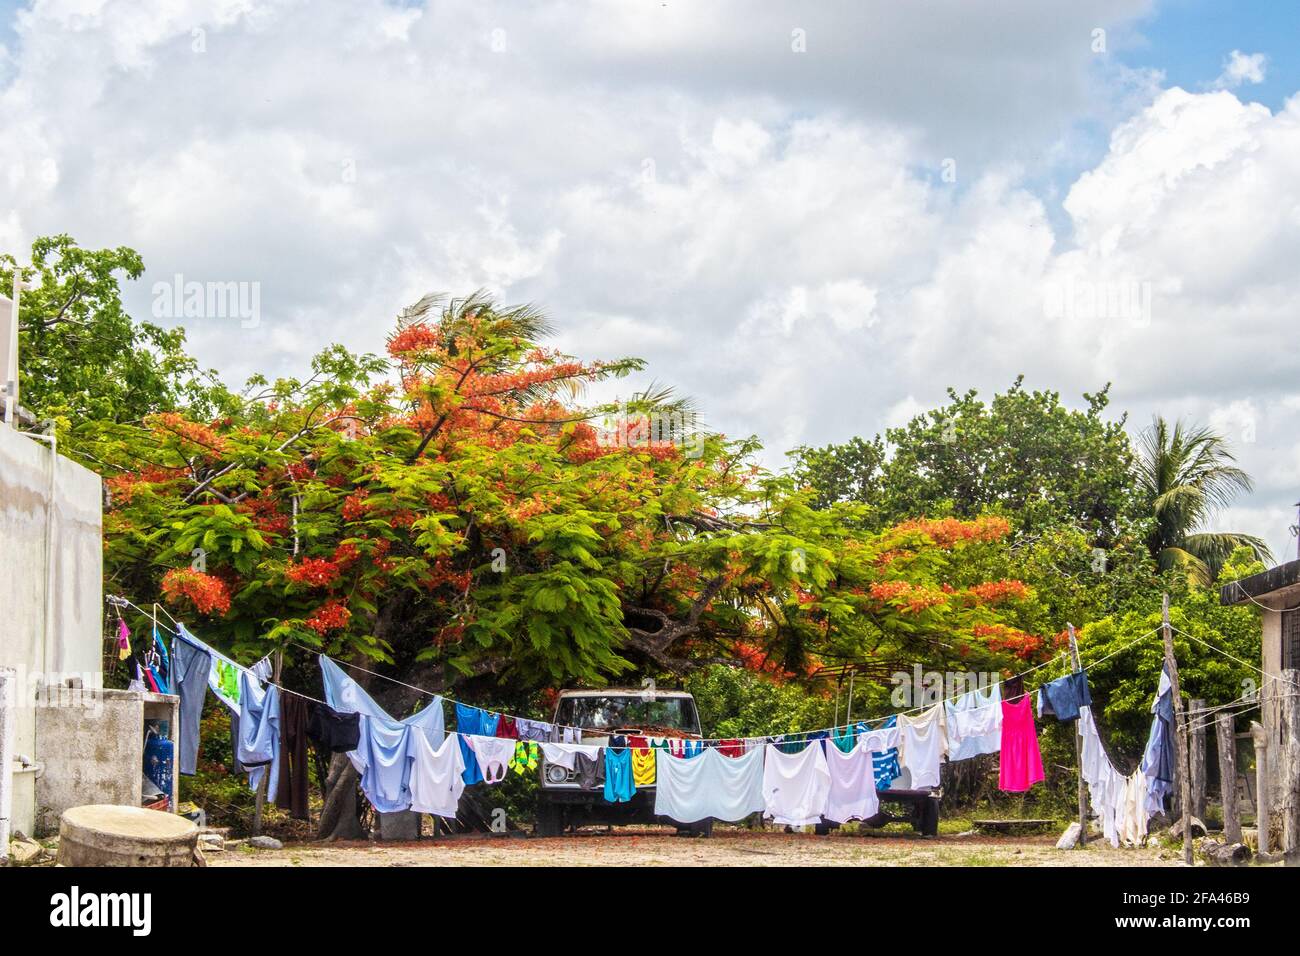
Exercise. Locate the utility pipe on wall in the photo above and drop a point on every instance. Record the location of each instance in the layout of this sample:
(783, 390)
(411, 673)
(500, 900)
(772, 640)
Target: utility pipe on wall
(8, 678)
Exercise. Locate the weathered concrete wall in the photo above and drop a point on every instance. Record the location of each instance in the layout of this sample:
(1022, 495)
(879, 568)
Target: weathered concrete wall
(92, 751)
(68, 644)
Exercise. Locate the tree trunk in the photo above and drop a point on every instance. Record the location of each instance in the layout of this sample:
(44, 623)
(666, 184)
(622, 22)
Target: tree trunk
(339, 819)
(1225, 854)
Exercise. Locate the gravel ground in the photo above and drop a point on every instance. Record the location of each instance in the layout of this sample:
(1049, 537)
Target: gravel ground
(727, 847)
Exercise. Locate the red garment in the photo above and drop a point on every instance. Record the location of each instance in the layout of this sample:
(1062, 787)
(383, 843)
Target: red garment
(506, 728)
(1021, 764)
(731, 748)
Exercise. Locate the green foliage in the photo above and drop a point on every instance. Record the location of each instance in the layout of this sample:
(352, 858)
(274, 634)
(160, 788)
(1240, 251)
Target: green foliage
(1025, 455)
(83, 358)
(1185, 474)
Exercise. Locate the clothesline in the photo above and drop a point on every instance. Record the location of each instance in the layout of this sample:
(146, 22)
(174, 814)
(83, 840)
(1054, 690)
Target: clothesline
(703, 740)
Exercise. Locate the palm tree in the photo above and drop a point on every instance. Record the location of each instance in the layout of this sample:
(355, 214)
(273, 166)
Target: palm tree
(1185, 474)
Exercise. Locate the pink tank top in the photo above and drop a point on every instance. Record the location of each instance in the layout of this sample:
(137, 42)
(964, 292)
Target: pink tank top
(1021, 764)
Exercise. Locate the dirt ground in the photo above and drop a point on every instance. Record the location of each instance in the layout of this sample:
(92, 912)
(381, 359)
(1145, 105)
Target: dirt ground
(727, 847)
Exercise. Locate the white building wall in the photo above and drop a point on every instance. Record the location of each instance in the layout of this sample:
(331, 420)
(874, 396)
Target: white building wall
(65, 642)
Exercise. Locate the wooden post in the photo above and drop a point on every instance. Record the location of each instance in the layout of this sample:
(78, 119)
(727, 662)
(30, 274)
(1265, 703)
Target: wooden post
(1078, 750)
(1196, 756)
(1263, 799)
(1226, 740)
(1288, 775)
(1180, 725)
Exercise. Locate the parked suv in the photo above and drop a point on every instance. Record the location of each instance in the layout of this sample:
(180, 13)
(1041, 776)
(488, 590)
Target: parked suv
(563, 803)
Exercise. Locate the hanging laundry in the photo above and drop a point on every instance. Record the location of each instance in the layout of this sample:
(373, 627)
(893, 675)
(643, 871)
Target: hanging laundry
(1021, 764)
(643, 767)
(525, 758)
(383, 757)
(1133, 815)
(292, 788)
(437, 775)
(538, 730)
(853, 793)
(883, 744)
(493, 755)
(589, 769)
(192, 667)
(473, 722)
(331, 731)
(381, 754)
(845, 738)
(619, 785)
(223, 674)
(506, 727)
(795, 786)
(710, 786)
(974, 724)
(565, 755)
(162, 669)
(922, 744)
(1157, 764)
(732, 747)
(1063, 697)
(123, 640)
(1105, 784)
(566, 735)
(692, 748)
(259, 733)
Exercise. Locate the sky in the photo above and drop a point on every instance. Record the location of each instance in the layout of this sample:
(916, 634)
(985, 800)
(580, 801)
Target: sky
(813, 219)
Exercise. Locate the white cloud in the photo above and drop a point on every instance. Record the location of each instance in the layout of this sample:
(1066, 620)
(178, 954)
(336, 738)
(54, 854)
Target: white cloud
(1241, 68)
(768, 228)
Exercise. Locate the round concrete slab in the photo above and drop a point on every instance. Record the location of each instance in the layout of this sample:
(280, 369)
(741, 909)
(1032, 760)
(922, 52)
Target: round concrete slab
(106, 835)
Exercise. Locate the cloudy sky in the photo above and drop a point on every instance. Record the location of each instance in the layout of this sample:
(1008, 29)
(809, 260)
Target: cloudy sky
(812, 218)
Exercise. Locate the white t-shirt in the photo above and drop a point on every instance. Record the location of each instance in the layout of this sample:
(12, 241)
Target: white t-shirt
(436, 781)
(796, 786)
(853, 785)
(922, 743)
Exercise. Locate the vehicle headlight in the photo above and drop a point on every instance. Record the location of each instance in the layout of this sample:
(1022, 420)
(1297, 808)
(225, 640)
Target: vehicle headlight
(555, 773)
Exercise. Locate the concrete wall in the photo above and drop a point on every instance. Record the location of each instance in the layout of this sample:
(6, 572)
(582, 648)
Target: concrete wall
(47, 647)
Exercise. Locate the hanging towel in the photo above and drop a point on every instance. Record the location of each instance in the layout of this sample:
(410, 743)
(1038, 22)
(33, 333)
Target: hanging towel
(975, 724)
(922, 743)
(1021, 764)
(853, 793)
(708, 786)
(795, 786)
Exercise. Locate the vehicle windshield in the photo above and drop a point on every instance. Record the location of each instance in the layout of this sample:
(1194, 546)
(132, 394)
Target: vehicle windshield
(607, 713)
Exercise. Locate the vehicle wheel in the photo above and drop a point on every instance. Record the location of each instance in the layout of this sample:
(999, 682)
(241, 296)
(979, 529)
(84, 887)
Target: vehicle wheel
(929, 822)
(822, 829)
(550, 819)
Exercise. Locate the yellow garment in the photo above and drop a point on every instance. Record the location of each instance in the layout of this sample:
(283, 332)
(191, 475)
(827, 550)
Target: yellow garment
(643, 767)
